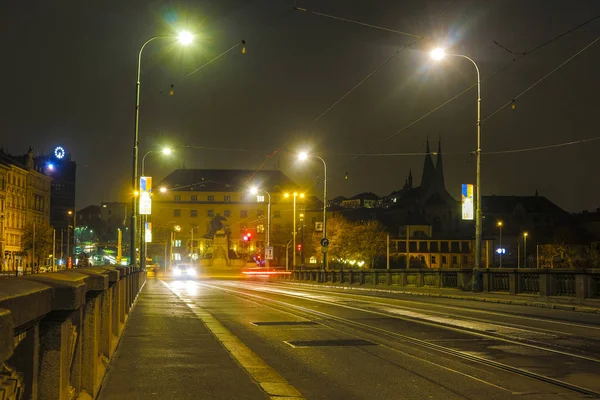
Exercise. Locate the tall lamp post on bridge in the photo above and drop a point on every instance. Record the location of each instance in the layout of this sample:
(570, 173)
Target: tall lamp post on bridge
(144, 218)
(184, 38)
(439, 54)
(525, 234)
(74, 214)
(302, 157)
(500, 224)
(255, 191)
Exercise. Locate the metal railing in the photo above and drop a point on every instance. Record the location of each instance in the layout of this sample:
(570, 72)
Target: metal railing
(575, 283)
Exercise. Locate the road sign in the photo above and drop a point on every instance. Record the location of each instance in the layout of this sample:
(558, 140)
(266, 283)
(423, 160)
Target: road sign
(324, 249)
(269, 253)
(324, 242)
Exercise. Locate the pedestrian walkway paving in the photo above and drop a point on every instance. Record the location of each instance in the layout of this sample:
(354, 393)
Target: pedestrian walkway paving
(166, 352)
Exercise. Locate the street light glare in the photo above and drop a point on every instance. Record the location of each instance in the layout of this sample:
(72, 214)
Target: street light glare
(438, 54)
(167, 151)
(253, 190)
(185, 38)
(163, 189)
(302, 156)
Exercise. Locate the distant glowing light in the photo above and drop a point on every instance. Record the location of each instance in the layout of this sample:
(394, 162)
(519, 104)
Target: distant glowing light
(501, 251)
(59, 152)
(163, 189)
(254, 190)
(302, 156)
(167, 151)
(50, 167)
(438, 54)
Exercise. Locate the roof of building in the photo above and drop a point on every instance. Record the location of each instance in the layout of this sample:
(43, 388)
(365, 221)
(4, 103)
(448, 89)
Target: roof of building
(226, 180)
(507, 204)
(365, 196)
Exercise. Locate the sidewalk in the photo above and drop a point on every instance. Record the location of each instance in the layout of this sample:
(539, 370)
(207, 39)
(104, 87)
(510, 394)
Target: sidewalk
(166, 352)
(559, 303)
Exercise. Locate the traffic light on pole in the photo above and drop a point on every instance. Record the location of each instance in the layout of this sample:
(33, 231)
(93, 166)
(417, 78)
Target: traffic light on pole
(299, 247)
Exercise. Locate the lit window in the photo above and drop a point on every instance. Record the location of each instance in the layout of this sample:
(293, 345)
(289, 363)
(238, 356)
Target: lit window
(176, 243)
(193, 213)
(211, 198)
(260, 198)
(260, 229)
(176, 256)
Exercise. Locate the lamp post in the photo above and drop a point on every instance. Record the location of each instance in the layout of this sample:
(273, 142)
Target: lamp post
(184, 38)
(255, 191)
(303, 156)
(144, 218)
(500, 223)
(74, 214)
(438, 54)
(525, 234)
(295, 195)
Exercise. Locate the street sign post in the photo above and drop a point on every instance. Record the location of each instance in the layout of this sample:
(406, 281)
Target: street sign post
(269, 253)
(324, 242)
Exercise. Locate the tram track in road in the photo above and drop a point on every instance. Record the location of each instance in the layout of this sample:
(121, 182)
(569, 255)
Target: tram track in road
(442, 319)
(326, 318)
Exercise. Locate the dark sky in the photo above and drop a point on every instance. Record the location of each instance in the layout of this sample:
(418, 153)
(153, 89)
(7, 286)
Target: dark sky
(69, 75)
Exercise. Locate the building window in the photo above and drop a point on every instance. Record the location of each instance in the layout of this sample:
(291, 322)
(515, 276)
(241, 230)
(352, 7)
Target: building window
(433, 260)
(176, 243)
(243, 214)
(260, 198)
(454, 260)
(176, 256)
(465, 260)
(210, 213)
(194, 197)
(277, 214)
(444, 260)
(227, 213)
(260, 229)
(177, 212)
(193, 213)
(177, 197)
(227, 198)
(211, 198)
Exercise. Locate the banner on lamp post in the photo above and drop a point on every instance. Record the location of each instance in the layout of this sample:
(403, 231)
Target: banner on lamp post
(148, 232)
(467, 201)
(145, 191)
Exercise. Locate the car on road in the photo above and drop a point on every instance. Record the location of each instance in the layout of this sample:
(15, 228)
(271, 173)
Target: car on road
(184, 271)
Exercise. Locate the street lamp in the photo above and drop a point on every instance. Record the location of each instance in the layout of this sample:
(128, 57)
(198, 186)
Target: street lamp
(525, 234)
(144, 219)
(255, 191)
(303, 156)
(71, 213)
(499, 224)
(439, 54)
(295, 195)
(184, 38)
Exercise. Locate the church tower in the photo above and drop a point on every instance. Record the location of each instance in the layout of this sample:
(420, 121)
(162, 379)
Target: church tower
(428, 177)
(439, 168)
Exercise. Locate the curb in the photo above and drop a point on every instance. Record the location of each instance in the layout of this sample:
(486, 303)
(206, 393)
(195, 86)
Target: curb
(518, 302)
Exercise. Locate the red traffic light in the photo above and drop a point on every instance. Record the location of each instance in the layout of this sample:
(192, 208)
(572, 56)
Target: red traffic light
(299, 247)
(249, 235)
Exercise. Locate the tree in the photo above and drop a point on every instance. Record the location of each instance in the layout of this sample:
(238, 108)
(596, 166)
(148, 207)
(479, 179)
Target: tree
(43, 241)
(370, 241)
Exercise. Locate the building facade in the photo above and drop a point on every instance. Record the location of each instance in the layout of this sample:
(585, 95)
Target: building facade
(191, 206)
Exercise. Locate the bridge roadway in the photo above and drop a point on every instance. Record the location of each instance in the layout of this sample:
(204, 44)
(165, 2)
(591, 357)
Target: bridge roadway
(303, 341)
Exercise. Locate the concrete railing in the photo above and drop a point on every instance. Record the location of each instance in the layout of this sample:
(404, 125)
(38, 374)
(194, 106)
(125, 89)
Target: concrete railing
(577, 284)
(59, 330)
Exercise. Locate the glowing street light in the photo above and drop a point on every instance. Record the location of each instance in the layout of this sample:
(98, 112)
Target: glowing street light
(303, 156)
(163, 189)
(184, 38)
(295, 195)
(525, 234)
(167, 151)
(500, 224)
(438, 54)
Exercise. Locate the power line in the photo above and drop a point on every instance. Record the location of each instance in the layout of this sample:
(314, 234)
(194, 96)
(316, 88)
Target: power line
(542, 79)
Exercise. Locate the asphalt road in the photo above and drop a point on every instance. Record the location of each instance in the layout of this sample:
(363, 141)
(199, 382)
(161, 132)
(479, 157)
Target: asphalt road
(340, 344)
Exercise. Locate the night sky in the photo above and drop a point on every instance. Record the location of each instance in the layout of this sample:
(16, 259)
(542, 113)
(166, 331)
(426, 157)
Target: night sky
(69, 78)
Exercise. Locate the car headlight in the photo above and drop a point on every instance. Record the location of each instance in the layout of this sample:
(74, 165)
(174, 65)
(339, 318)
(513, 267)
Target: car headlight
(176, 271)
(191, 272)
